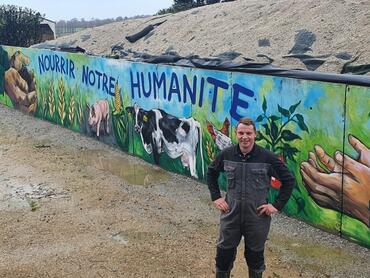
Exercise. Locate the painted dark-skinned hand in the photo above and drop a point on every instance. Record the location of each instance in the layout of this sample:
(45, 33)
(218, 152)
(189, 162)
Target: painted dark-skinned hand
(18, 91)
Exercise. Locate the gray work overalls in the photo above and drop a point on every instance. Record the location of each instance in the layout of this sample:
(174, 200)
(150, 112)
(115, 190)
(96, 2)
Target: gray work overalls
(248, 185)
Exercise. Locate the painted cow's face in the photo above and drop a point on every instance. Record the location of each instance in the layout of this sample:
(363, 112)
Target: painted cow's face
(138, 118)
(139, 115)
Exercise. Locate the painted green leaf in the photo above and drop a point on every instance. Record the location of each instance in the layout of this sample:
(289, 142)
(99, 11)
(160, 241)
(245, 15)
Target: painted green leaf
(293, 107)
(283, 111)
(301, 122)
(289, 156)
(274, 130)
(264, 104)
(259, 137)
(287, 135)
(267, 129)
(288, 146)
(259, 118)
(300, 204)
(289, 151)
(274, 118)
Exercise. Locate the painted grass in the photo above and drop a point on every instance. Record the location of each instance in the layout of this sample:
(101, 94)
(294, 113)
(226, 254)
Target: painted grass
(4, 99)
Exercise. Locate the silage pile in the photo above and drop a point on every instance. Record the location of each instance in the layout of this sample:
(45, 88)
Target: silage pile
(320, 35)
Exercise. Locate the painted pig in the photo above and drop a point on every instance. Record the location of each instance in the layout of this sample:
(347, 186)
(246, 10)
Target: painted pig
(99, 113)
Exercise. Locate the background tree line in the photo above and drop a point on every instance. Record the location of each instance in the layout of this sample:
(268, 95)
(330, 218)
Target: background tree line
(65, 27)
(182, 5)
(19, 26)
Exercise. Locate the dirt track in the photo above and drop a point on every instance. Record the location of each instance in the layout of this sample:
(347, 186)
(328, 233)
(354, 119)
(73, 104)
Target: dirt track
(71, 206)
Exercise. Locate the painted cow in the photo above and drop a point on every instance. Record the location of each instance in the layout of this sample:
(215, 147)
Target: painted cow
(220, 136)
(162, 132)
(99, 114)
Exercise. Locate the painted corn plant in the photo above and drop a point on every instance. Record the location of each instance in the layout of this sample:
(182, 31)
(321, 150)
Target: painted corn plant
(119, 119)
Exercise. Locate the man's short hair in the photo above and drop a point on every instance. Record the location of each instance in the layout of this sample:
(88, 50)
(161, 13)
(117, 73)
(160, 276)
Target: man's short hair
(247, 121)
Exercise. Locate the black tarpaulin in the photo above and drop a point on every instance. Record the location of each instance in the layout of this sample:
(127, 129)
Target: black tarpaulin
(252, 67)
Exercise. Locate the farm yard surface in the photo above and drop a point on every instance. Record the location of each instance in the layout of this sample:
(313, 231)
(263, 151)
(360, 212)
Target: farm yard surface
(73, 207)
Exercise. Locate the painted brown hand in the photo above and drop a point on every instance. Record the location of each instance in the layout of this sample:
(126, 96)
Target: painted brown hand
(324, 183)
(20, 83)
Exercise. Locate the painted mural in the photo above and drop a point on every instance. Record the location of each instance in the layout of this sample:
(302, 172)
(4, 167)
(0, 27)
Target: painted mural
(181, 118)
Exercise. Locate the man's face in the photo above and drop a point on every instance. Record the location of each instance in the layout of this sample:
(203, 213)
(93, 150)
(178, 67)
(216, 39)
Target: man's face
(246, 136)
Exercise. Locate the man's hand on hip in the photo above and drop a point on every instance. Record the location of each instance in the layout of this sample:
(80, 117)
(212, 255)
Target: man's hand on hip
(267, 209)
(221, 204)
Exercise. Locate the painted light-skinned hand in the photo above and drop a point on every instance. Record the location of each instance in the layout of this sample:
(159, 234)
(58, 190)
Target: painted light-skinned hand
(267, 209)
(324, 183)
(221, 204)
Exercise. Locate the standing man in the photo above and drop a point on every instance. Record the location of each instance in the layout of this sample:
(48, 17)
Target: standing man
(245, 211)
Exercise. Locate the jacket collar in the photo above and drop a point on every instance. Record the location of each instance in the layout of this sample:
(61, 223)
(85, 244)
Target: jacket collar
(253, 152)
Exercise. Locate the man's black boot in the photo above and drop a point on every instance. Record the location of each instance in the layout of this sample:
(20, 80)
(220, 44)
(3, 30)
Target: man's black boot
(254, 274)
(224, 262)
(222, 274)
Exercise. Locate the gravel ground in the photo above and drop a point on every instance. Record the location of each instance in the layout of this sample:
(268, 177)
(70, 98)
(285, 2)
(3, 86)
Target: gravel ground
(71, 206)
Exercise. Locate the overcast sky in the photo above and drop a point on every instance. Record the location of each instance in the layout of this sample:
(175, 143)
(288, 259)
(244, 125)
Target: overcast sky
(67, 9)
